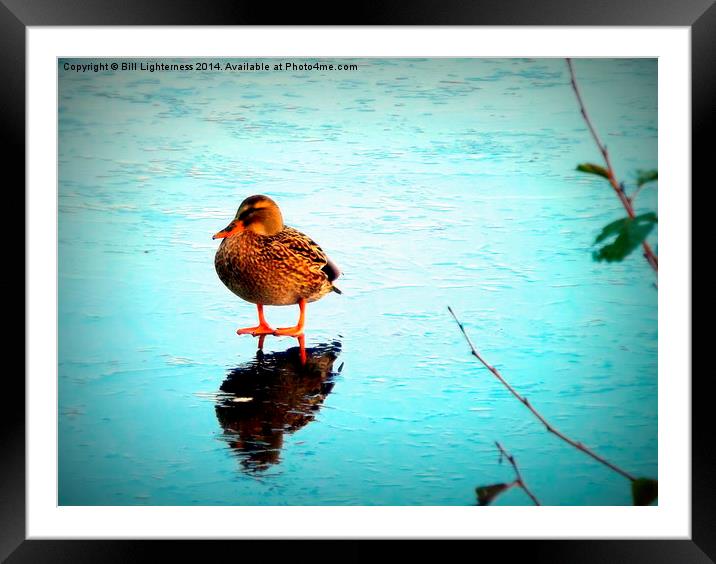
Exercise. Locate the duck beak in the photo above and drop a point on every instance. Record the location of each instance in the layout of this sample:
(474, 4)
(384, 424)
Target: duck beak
(233, 227)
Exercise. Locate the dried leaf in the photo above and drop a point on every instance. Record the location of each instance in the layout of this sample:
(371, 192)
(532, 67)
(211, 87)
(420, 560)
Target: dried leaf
(593, 169)
(644, 491)
(486, 494)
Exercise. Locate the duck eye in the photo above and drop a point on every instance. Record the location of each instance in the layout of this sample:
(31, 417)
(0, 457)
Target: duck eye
(246, 213)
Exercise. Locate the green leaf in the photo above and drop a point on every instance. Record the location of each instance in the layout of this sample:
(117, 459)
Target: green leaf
(646, 176)
(593, 169)
(614, 228)
(644, 491)
(486, 494)
(630, 233)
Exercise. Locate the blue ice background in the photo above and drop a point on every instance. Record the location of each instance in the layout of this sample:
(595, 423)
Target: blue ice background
(431, 182)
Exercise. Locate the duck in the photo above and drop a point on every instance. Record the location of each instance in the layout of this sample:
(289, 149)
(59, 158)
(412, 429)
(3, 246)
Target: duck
(267, 263)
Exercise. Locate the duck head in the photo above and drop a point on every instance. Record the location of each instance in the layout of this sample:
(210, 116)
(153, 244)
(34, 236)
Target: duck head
(259, 214)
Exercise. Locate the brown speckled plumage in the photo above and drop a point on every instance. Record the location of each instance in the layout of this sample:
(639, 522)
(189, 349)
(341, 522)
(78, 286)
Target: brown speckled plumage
(273, 269)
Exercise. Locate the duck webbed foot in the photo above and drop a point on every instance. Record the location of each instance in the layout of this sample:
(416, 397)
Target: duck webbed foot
(296, 330)
(256, 331)
(263, 328)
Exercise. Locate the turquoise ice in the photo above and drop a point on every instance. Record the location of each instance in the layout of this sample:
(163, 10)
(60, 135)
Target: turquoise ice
(430, 182)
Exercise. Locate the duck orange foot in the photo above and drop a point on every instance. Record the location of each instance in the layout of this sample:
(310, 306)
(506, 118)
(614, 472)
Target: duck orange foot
(296, 331)
(256, 331)
(263, 328)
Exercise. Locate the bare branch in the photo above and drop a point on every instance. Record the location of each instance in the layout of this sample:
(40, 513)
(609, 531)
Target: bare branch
(651, 258)
(519, 481)
(632, 198)
(528, 405)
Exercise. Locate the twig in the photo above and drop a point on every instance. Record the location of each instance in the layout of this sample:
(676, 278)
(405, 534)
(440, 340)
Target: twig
(528, 405)
(519, 481)
(651, 258)
(636, 193)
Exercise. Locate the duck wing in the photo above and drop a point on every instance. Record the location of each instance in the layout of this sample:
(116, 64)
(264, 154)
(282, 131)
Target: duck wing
(299, 246)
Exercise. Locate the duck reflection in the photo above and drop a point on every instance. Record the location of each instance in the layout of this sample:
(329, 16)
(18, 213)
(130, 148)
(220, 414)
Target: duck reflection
(276, 393)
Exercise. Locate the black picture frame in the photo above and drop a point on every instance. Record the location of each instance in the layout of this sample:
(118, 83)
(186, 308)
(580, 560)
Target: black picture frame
(17, 15)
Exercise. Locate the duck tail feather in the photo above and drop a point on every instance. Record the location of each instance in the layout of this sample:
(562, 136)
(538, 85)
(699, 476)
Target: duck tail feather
(331, 270)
